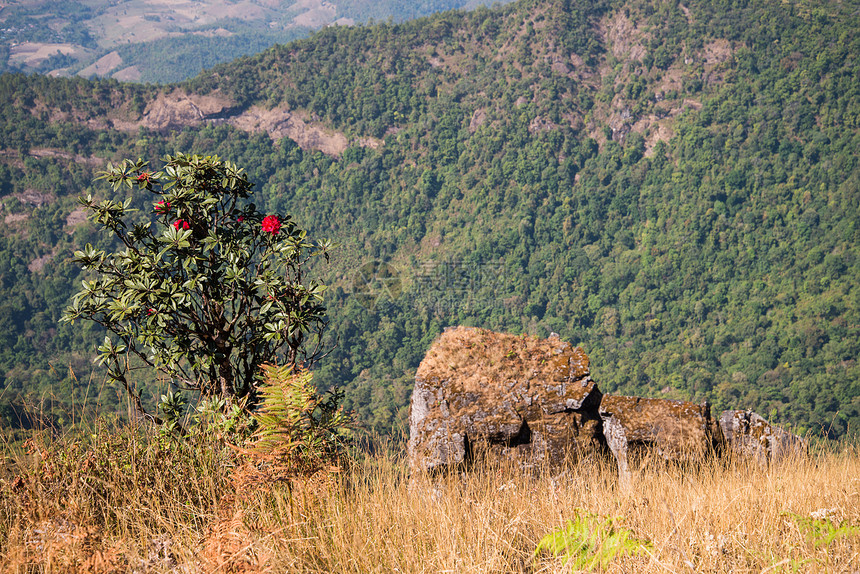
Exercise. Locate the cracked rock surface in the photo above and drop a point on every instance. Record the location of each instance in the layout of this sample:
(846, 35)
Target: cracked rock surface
(749, 435)
(675, 430)
(529, 398)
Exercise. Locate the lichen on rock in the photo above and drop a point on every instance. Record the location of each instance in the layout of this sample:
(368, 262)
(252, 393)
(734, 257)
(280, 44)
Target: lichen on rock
(521, 396)
(748, 435)
(676, 431)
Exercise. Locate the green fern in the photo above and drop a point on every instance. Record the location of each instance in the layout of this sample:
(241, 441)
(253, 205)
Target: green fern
(589, 541)
(295, 421)
(822, 531)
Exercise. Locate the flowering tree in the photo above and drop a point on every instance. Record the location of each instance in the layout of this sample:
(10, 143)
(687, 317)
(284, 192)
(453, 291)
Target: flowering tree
(207, 290)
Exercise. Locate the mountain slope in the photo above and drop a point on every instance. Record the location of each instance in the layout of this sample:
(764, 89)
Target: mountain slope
(674, 186)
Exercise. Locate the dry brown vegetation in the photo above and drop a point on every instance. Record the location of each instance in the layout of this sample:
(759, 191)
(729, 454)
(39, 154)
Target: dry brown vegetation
(478, 357)
(126, 500)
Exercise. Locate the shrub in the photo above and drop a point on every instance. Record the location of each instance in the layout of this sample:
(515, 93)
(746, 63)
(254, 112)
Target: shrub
(207, 290)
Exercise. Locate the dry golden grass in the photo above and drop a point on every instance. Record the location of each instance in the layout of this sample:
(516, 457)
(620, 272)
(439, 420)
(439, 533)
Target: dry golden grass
(163, 508)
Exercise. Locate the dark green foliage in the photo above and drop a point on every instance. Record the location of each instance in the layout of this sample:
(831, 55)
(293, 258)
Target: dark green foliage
(203, 288)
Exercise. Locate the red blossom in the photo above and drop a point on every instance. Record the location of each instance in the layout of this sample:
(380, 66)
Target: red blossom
(151, 311)
(181, 223)
(271, 224)
(240, 219)
(162, 206)
(143, 177)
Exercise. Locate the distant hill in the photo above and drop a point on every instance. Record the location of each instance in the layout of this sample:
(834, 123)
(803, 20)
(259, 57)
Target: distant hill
(146, 41)
(674, 186)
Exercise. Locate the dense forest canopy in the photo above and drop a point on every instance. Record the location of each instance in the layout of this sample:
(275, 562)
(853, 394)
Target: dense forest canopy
(674, 186)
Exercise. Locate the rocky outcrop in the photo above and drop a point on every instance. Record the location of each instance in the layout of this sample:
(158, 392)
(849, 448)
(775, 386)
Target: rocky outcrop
(676, 431)
(528, 398)
(748, 435)
(279, 123)
(179, 109)
(534, 400)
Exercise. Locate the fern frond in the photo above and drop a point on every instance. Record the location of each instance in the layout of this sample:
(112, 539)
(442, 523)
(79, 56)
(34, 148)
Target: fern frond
(588, 541)
(294, 421)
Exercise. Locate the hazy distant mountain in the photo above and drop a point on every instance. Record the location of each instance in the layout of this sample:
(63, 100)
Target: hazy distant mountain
(147, 41)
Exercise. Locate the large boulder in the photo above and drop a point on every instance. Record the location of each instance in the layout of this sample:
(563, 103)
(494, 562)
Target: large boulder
(676, 431)
(528, 398)
(748, 435)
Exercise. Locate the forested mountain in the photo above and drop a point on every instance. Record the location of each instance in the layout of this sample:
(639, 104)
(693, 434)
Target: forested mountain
(674, 186)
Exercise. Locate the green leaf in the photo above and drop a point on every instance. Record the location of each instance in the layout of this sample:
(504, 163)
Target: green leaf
(588, 541)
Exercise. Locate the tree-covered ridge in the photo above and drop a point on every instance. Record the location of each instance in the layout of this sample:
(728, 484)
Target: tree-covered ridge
(673, 186)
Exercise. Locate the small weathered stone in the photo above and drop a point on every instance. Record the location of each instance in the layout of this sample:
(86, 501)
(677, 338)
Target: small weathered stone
(676, 431)
(529, 398)
(749, 435)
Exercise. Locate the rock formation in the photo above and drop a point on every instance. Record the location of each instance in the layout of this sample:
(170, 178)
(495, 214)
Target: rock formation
(534, 400)
(676, 431)
(749, 435)
(529, 398)
(179, 109)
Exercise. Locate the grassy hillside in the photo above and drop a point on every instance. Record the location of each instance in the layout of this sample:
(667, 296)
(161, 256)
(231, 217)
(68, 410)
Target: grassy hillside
(673, 186)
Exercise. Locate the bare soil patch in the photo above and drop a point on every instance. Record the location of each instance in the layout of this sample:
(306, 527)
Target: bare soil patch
(717, 51)
(372, 143)
(625, 38)
(103, 66)
(138, 21)
(34, 197)
(671, 80)
(477, 120)
(39, 263)
(74, 219)
(33, 53)
(216, 33)
(42, 152)
(660, 132)
(179, 109)
(279, 123)
(130, 74)
(318, 13)
(15, 217)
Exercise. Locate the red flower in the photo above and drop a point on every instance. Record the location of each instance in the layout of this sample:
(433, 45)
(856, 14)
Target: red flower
(181, 223)
(240, 219)
(271, 224)
(162, 206)
(150, 311)
(143, 177)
